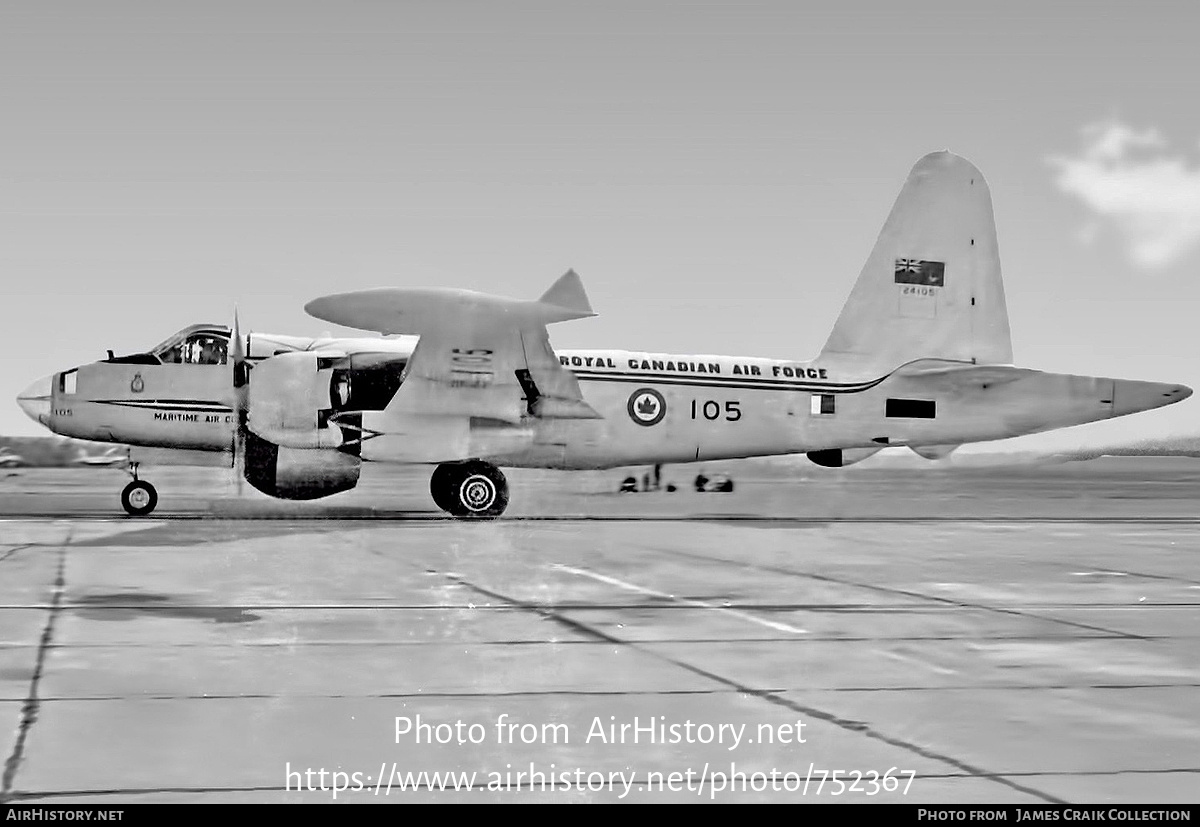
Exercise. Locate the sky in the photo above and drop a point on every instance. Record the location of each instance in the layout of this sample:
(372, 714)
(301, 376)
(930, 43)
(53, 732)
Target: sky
(716, 172)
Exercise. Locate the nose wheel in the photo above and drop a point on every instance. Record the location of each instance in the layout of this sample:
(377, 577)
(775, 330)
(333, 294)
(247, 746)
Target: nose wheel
(139, 497)
(469, 490)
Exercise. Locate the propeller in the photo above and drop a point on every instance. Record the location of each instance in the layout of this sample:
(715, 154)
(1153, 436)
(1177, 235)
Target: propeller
(240, 400)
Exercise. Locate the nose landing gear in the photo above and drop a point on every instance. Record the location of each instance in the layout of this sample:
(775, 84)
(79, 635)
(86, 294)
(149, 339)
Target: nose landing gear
(139, 497)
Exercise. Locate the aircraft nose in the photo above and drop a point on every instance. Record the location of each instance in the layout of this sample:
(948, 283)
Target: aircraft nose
(35, 401)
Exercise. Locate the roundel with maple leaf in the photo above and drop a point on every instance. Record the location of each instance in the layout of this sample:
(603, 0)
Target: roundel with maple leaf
(646, 406)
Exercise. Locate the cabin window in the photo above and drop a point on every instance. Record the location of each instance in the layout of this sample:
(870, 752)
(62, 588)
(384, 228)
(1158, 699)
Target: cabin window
(822, 404)
(911, 408)
(69, 380)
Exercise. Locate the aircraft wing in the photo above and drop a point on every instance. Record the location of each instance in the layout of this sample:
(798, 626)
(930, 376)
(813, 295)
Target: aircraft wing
(478, 355)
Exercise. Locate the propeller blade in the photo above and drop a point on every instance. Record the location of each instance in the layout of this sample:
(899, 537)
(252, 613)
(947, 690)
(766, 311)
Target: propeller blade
(241, 402)
(241, 375)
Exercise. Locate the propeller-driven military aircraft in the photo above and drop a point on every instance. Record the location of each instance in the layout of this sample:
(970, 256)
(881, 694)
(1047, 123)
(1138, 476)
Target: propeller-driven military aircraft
(468, 383)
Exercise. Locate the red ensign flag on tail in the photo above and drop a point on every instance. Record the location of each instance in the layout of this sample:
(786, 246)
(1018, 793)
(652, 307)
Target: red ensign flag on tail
(915, 271)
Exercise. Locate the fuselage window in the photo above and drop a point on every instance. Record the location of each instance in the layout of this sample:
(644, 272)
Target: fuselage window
(68, 381)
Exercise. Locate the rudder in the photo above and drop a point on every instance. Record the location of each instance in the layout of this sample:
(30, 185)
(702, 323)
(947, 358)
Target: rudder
(932, 286)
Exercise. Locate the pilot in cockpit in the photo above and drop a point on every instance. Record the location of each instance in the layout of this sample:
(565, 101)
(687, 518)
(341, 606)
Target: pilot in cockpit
(193, 346)
(203, 350)
(212, 352)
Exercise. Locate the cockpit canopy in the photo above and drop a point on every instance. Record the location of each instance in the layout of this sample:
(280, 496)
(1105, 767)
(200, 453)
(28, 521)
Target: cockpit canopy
(198, 344)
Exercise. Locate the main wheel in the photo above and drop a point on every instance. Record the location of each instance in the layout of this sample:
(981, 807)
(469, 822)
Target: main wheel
(475, 490)
(440, 485)
(139, 498)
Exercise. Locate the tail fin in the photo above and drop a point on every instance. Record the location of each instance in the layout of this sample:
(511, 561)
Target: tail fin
(932, 287)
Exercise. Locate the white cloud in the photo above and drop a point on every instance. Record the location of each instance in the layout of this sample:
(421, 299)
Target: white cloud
(1132, 183)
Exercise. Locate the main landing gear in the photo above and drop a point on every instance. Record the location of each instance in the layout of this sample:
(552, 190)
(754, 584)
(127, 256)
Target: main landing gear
(469, 490)
(139, 497)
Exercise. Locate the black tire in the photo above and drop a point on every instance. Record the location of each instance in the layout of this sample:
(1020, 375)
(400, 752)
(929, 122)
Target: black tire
(478, 491)
(139, 498)
(440, 484)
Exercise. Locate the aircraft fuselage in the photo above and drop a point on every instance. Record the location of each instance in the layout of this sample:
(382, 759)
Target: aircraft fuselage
(654, 408)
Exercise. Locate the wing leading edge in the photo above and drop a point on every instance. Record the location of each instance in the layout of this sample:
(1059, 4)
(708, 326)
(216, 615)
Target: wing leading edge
(478, 355)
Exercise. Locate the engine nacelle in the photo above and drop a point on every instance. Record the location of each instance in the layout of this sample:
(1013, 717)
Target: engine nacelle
(933, 451)
(314, 400)
(840, 457)
(298, 473)
(290, 401)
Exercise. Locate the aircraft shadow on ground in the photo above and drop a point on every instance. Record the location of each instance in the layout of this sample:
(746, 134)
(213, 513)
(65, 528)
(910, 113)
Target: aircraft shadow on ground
(173, 534)
(129, 605)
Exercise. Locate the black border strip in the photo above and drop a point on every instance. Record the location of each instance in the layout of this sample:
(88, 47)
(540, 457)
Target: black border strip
(729, 382)
(166, 404)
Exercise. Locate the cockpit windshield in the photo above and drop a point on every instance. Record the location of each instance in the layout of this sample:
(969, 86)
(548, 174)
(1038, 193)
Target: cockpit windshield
(202, 344)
